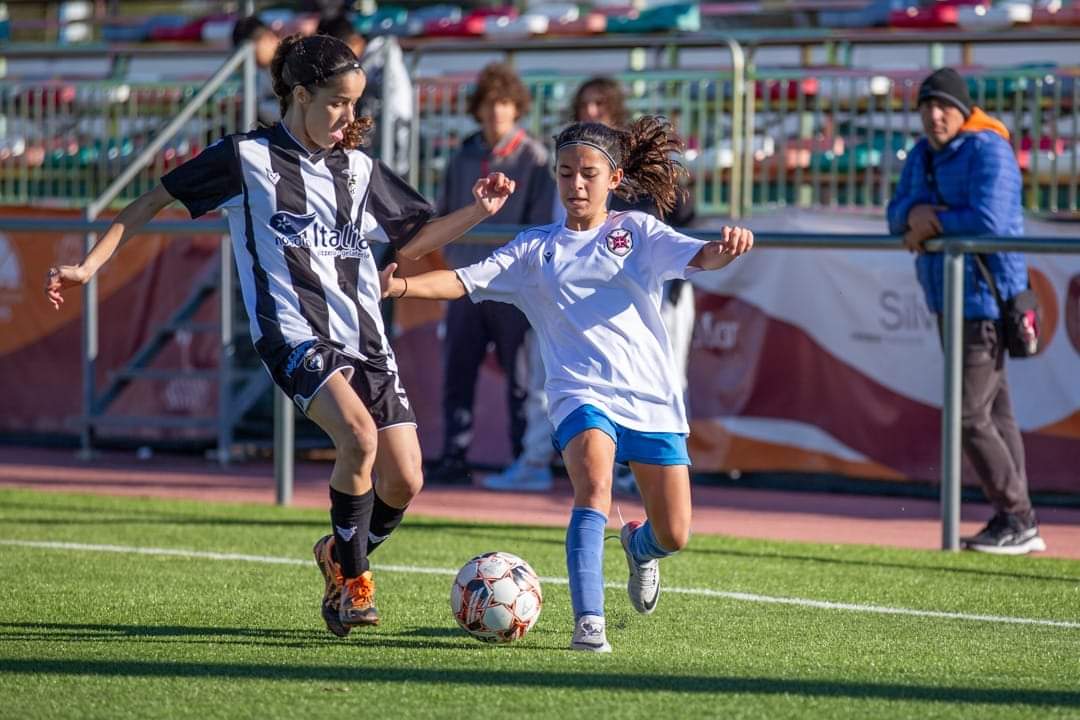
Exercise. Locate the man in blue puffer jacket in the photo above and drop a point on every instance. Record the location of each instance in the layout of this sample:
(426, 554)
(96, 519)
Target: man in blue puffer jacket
(962, 179)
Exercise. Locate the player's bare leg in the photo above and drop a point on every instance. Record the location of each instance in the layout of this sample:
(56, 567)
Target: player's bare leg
(338, 410)
(665, 491)
(399, 476)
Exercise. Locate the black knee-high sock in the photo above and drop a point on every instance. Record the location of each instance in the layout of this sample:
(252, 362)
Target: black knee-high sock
(350, 516)
(384, 519)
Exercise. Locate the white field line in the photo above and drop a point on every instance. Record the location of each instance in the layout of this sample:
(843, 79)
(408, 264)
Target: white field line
(417, 570)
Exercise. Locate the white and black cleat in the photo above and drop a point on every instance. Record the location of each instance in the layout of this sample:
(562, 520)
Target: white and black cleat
(643, 587)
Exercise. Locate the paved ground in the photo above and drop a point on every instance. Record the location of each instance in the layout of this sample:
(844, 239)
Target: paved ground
(807, 516)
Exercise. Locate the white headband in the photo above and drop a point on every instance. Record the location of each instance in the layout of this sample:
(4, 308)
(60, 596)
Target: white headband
(593, 145)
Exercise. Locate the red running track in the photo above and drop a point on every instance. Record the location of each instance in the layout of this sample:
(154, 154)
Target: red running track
(767, 514)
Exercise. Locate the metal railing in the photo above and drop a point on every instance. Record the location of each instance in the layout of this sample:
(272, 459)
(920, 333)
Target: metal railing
(706, 105)
(758, 137)
(835, 137)
(954, 248)
(835, 45)
(244, 56)
(63, 142)
(64, 137)
(952, 318)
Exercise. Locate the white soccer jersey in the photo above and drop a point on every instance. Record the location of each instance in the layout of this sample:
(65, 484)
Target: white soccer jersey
(593, 298)
(301, 223)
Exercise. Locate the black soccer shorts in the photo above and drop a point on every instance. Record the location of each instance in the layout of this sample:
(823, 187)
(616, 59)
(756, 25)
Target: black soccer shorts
(308, 366)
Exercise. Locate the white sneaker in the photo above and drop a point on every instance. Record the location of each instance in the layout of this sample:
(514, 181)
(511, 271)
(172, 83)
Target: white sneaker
(590, 635)
(520, 477)
(643, 587)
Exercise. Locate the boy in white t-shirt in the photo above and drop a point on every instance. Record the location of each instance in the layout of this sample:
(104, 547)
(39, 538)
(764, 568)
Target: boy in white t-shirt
(591, 288)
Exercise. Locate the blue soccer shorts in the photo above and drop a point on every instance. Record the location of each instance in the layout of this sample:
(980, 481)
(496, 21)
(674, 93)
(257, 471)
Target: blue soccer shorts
(650, 448)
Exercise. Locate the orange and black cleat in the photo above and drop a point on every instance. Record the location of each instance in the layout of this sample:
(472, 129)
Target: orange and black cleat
(331, 571)
(357, 606)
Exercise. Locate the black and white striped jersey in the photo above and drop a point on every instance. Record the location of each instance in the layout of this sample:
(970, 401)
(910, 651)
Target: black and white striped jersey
(301, 224)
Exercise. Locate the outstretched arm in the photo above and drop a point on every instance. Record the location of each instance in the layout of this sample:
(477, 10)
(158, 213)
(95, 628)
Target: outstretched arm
(130, 220)
(490, 195)
(719, 253)
(434, 285)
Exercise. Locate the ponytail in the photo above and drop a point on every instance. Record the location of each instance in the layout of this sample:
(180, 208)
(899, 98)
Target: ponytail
(650, 164)
(282, 89)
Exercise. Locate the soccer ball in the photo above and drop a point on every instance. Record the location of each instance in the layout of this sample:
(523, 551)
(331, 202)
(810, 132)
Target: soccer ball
(496, 597)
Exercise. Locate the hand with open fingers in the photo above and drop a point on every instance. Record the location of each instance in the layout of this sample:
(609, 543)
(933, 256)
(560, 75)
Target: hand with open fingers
(392, 287)
(492, 191)
(61, 278)
(736, 241)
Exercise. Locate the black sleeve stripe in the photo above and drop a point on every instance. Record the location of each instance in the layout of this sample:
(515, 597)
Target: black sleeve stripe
(208, 180)
(399, 209)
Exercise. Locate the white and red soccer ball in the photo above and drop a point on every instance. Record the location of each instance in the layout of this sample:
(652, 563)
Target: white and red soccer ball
(496, 597)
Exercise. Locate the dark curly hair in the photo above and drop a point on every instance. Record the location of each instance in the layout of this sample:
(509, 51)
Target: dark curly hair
(612, 96)
(647, 151)
(499, 81)
(314, 62)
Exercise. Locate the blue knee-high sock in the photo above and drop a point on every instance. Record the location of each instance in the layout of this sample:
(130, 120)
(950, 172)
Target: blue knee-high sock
(645, 547)
(585, 560)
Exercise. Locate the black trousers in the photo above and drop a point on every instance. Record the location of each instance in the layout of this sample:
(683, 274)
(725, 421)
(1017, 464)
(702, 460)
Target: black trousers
(470, 328)
(989, 433)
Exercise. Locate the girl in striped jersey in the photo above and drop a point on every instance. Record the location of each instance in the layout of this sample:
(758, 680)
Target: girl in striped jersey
(591, 288)
(304, 204)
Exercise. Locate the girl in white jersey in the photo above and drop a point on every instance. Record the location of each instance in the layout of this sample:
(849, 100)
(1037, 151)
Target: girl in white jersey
(591, 289)
(304, 203)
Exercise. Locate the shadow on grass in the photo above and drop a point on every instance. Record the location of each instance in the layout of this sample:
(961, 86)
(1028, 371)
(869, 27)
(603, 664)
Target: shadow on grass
(978, 572)
(193, 520)
(75, 514)
(546, 679)
(429, 638)
(433, 632)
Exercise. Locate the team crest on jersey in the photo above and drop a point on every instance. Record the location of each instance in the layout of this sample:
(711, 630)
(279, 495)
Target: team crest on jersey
(352, 182)
(620, 242)
(314, 362)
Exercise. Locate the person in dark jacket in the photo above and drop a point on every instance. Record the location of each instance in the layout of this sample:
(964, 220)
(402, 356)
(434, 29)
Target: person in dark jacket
(963, 179)
(499, 100)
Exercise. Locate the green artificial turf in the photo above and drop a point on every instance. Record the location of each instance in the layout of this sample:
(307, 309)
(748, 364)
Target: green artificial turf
(95, 634)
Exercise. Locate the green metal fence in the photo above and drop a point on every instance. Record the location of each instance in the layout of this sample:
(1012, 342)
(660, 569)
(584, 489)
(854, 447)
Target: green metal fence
(702, 104)
(62, 143)
(838, 137)
(833, 137)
